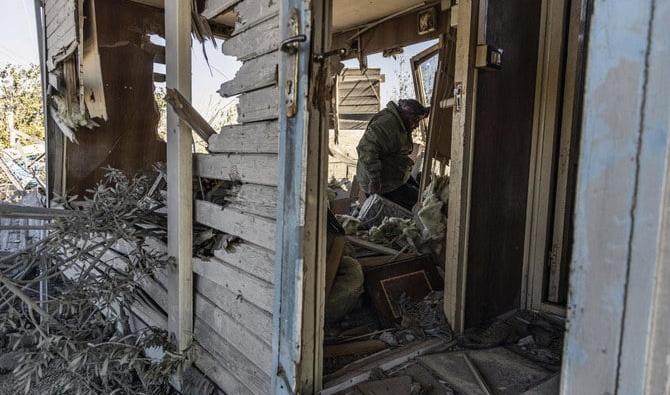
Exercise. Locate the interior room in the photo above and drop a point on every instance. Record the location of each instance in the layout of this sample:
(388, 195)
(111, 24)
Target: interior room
(390, 277)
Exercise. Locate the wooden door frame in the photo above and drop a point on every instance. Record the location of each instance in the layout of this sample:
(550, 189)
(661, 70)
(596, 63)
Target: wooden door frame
(616, 309)
(466, 15)
(555, 120)
(298, 311)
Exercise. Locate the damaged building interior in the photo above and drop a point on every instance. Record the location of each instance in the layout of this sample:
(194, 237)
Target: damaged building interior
(515, 284)
(293, 275)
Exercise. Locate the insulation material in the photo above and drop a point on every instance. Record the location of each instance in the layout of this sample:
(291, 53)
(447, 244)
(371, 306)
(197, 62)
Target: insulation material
(396, 230)
(351, 225)
(434, 207)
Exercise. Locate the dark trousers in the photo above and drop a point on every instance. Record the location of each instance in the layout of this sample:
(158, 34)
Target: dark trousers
(405, 195)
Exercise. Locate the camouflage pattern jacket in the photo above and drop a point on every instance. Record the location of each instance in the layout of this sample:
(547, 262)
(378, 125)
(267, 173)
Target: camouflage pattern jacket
(383, 151)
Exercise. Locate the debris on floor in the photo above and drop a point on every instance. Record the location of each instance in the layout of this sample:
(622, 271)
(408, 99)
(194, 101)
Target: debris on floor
(395, 338)
(388, 285)
(495, 359)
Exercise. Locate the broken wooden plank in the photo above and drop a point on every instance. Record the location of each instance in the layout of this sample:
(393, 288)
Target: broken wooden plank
(183, 108)
(374, 261)
(372, 246)
(477, 375)
(452, 368)
(251, 13)
(251, 43)
(254, 74)
(214, 8)
(360, 371)
(91, 69)
(254, 168)
(18, 211)
(249, 258)
(255, 137)
(351, 348)
(259, 105)
(252, 228)
(256, 291)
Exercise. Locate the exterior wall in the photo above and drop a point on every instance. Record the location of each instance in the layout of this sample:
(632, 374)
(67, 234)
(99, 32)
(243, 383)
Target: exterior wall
(61, 29)
(128, 140)
(234, 289)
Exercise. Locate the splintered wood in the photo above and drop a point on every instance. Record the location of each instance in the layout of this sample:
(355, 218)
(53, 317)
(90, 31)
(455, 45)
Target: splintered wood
(183, 108)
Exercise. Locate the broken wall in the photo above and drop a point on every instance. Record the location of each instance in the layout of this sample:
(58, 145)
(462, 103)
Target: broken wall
(128, 140)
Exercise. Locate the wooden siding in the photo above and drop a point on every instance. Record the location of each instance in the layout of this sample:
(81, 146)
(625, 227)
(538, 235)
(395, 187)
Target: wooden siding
(234, 290)
(61, 29)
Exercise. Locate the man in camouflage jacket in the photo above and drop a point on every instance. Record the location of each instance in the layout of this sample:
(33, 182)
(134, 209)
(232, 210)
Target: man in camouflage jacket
(384, 164)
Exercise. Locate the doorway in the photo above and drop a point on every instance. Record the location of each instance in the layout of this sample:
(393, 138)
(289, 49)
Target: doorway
(483, 147)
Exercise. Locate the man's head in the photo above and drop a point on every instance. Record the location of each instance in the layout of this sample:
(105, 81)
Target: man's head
(411, 112)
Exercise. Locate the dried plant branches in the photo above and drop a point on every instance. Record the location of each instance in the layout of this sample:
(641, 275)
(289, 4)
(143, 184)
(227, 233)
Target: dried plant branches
(83, 328)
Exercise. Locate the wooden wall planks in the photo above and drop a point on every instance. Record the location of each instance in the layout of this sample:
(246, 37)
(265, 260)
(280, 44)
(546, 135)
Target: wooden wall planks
(252, 228)
(252, 138)
(255, 169)
(236, 281)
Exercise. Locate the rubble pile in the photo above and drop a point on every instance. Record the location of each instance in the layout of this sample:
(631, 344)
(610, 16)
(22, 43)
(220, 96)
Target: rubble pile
(22, 170)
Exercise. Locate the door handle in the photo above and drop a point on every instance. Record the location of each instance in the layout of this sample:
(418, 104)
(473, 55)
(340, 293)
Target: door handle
(291, 46)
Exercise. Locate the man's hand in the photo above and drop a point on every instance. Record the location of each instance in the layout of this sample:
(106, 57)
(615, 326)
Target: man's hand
(375, 187)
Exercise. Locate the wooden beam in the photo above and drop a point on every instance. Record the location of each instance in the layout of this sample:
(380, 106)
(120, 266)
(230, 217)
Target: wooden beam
(183, 108)
(180, 174)
(461, 165)
(396, 32)
(254, 74)
(17, 211)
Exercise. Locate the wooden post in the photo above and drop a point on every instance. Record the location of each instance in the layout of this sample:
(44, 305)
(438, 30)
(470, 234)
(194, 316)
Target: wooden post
(301, 209)
(180, 174)
(615, 308)
(462, 135)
